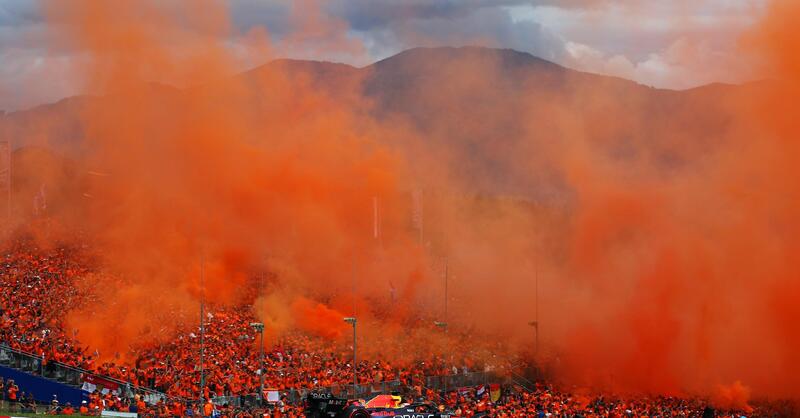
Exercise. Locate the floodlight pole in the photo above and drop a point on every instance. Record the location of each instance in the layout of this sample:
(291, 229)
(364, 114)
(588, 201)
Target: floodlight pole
(5, 146)
(352, 320)
(536, 317)
(259, 327)
(443, 326)
(535, 325)
(445, 293)
(202, 327)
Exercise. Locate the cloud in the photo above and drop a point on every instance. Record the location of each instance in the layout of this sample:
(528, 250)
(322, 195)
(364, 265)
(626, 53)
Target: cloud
(486, 26)
(675, 44)
(18, 13)
(29, 75)
(365, 15)
(685, 63)
(29, 78)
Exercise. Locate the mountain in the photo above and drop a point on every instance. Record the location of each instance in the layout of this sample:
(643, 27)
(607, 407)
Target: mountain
(479, 107)
(487, 105)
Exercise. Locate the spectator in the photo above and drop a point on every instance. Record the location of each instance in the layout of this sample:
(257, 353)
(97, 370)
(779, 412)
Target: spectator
(208, 409)
(38, 283)
(12, 393)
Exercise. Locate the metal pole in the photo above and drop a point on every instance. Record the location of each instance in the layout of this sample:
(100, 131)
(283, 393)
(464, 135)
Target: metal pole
(5, 146)
(443, 326)
(421, 218)
(445, 321)
(202, 328)
(445, 292)
(261, 395)
(352, 320)
(10, 182)
(8, 204)
(355, 365)
(536, 316)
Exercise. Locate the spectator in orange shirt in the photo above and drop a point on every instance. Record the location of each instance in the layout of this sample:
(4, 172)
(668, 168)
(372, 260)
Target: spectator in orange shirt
(12, 392)
(177, 409)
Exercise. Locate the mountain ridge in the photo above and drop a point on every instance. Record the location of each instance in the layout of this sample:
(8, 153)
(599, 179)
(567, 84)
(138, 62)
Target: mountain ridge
(292, 62)
(476, 105)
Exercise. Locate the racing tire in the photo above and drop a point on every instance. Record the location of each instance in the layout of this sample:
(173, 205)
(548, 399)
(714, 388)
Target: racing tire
(359, 413)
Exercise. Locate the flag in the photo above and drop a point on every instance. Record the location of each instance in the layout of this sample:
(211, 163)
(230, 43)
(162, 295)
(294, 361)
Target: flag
(494, 392)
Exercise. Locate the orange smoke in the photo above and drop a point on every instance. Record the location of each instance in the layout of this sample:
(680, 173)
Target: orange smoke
(318, 319)
(662, 225)
(684, 268)
(733, 397)
(212, 177)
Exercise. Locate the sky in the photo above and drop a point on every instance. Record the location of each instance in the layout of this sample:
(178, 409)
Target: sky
(674, 44)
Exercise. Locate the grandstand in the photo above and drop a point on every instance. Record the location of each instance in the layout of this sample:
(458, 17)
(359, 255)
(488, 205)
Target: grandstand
(47, 361)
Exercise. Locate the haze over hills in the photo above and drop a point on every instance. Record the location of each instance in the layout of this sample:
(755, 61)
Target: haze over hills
(661, 221)
(472, 108)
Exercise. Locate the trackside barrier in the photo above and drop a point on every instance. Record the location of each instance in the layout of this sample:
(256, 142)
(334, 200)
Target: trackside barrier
(41, 388)
(69, 375)
(228, 400)
(295, 396)
(450, 382)
(34, 365)
(73, 376)
(437, 383)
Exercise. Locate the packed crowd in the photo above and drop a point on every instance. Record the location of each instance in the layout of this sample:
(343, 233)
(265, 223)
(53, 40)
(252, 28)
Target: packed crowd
(37, 284)
(546, 402)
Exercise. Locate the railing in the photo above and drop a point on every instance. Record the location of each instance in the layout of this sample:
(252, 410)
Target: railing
(522, 381)
(69, 375)
(298, 395)
(449, 382)
(34, 364)
(74, 376)
(236, 401)
(365, 391)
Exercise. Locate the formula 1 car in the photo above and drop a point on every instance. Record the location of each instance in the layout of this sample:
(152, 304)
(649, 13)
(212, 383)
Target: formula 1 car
(325, 405)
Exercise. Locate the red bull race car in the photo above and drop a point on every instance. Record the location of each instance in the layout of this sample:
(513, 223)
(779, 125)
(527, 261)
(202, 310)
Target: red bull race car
(325, 405)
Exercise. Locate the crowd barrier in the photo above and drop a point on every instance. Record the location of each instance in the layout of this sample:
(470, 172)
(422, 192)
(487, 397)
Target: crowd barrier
(448, 382)
(73, 376)
(366, 391)
(41, 388)
(68, 375)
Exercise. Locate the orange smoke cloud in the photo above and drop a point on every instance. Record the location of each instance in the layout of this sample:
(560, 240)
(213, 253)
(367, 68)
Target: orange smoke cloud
(665, 242)
(684, 267)
(214, 175)
(732, 397)
(318, 319)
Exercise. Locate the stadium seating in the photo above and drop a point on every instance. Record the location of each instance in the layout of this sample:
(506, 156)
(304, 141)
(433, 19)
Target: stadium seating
(44, 359)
